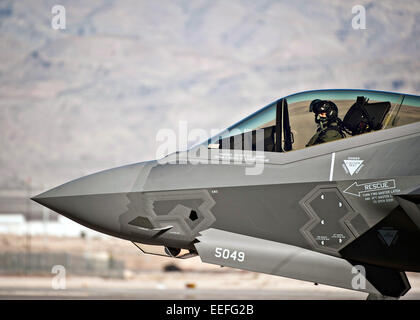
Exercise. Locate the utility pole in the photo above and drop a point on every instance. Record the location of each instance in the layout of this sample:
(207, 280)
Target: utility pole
(28, 231)
(45, 223)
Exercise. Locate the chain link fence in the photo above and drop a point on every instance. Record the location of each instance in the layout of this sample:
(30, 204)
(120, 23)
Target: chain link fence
(41, 264)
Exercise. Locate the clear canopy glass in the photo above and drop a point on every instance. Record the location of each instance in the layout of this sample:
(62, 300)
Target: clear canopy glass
(401, 109)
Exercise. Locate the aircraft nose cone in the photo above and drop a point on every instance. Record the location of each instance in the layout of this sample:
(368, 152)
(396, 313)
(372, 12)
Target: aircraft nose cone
(98, 200)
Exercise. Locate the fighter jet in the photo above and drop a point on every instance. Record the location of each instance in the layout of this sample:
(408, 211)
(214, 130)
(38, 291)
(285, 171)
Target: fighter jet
(343, 212)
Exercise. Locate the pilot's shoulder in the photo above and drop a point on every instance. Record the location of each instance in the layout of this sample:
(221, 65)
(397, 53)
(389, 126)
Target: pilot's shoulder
(333, 133)
(313, 139)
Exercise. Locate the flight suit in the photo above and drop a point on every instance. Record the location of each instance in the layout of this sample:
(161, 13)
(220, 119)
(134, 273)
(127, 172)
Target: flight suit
(330, 133)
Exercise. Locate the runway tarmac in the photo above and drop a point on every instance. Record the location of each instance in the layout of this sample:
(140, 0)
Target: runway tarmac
(171, 294)
(183, 286)
(187, 294)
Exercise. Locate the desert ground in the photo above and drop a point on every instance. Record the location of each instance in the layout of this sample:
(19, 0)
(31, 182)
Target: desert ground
(145, 277)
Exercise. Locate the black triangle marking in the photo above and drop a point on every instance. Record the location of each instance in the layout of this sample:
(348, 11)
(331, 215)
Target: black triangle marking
(388, 235)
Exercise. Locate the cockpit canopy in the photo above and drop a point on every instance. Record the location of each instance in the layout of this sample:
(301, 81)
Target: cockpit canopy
(287, 124)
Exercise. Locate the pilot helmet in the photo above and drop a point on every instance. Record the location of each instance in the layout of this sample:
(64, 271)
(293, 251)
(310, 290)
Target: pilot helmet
(319, 107)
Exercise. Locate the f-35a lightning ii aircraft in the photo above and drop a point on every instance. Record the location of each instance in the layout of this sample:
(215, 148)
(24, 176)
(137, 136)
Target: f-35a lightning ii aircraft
(344, 213)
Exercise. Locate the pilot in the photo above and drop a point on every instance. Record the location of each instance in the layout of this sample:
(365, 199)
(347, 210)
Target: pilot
(329, 125)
